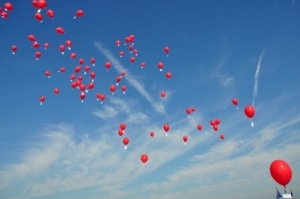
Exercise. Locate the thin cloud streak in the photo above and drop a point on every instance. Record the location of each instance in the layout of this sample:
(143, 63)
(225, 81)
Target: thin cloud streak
(159, 107)
(255, 89)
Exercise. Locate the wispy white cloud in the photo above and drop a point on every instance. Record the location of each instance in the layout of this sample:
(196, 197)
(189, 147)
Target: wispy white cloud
(132, 80)
(256, 76)
(225, 79)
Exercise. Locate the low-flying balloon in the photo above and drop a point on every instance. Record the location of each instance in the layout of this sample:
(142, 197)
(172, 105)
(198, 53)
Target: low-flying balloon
(281, 172)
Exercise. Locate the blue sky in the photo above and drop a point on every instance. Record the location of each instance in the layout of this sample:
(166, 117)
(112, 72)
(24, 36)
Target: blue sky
(218, 50)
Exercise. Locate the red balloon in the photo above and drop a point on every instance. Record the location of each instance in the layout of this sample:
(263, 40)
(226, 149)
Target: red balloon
(166, 49)
(123, 87)
(69, 44)
(160, 65)
(48, 74)
(38, 54)
(222, 136)
(56, 91)
(132, 59)
(125, 142)
(79, 13)
(42, 4)
(36, 44)
(143, 65)
(235, 101)
(120, 132)
(168, 75)
(166, 127)
(123, 126)
(185, 139)
(151, 134)
(60, 30)
(107, 65)
(144, 158)
(8, 6)
(4, 15)
(38, 16)
(50, 13)
(82, 96)
(46, 45)
(112, 88)
(42, 99)
(31, 38)
(93, 60)
(249, 111)
(199, 127)
(118, 42)
(281, 172)
(14, 49)
(163, 94)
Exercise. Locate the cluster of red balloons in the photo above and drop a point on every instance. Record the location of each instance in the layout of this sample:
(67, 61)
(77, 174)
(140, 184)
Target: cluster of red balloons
(8, 7)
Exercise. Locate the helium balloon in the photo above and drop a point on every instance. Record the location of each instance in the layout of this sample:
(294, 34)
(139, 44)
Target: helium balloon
(102, 98)
(82, 96)
(166, 128)
(14, 49)
(8, 6)
(160, 65)
(235, 101)
(121, 53)
(60, 30)
(222, 136)
(79, 13)
(166, 50)
(50, 13)
(73, 55)
(31, 38)
(42, 100)
(112, 88)
(77, 69)
(120, 132)
(42, 4)
(125, 142)
(281, 172)
(143, 65)
(93, 61)
(163, 94)
(123, 126)
(168, 75)
(144, 158)
(185, 139)
(250, 112)
(118, 79)
(38, 54)
(199, 127)
(107, 65)
(62, 70)
(38, 16)
(132, 59)
(69, 44)
(118, 43)
(151, 134)
(56, 91)
(46, 45)
(4, 15)
(36, 44)
(123, 87)
(48, 74)
(62, 49)
(81, 61)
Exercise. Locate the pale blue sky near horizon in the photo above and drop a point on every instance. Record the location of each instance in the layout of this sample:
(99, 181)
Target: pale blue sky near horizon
(219, 50)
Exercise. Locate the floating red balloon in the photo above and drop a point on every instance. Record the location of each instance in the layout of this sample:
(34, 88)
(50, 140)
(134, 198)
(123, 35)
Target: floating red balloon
(125, 142)
(222, 136)
(199, 127)
(48, 74)
(166, 50)
(163, 94)
(42, 99)
(50, 13)
(14, 49)
(107, 65)
(60, 30)
(281, 172)
(166, 128)
(160, 65)
(79, 13)
(250, 112)
(168, 75)
(123, 87)
(185, 139)
(38, 16)
(144, 158)
(112, 88)
(8, 6)
(31, 38)
(56, 91)
(151, 134)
